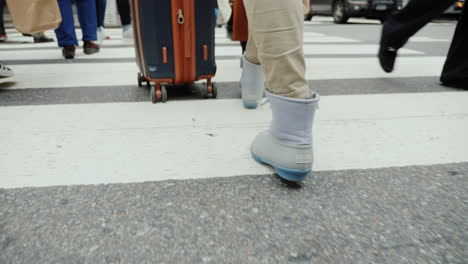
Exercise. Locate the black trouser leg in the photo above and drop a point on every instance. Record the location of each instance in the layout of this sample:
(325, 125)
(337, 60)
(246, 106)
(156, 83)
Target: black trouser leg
(455, 72)
(2, 26)
(123, 6)
(244, 46)
(100, 12)
(406, 22)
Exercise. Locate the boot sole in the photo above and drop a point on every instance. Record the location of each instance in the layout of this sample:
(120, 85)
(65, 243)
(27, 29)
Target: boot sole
(68, 57)
(249, 105)
(90, 51)
(287, 174)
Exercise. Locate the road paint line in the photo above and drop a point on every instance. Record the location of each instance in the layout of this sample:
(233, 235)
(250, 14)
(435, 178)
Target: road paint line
(138, 142)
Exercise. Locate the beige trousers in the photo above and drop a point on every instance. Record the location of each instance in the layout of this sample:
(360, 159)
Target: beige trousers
(276, 42)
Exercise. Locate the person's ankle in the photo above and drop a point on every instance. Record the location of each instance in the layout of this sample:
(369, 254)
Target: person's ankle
(126, 27)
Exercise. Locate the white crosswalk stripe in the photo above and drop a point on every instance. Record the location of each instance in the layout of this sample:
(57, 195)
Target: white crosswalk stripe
(68, 144)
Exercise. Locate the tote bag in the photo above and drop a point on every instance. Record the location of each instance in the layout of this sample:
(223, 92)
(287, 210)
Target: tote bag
(34, 16)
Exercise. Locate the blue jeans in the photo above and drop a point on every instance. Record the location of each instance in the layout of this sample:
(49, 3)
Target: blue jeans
(65, 33)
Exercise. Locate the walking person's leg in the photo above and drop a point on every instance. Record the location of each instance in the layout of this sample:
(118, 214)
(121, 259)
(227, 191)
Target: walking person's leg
(88, 23)
(399, 27)
(455, 72)
(123, 6)
(100, 17)
(253, 78)
(3, 35)
(66, 36)
(277, 44)
(100, 12)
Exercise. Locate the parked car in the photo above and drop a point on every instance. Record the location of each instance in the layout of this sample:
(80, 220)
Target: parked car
(342, 10)
(456, 8)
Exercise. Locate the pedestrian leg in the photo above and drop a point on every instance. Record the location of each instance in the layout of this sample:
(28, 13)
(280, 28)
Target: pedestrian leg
(87, 18)
(278, 29)
(455, 71)
(65, 33)
(277, 33)
(100, 12)
(123, 6)
(399, 27)
(253, 78)
(2, 25)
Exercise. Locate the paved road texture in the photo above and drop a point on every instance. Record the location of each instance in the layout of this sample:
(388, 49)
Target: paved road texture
(91, 172)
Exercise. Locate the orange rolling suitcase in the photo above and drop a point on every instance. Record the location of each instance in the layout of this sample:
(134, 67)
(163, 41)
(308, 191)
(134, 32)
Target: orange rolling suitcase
(174, 44)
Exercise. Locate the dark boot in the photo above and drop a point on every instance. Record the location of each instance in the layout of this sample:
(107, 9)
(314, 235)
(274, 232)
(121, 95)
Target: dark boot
(90, 47)
(68, 52)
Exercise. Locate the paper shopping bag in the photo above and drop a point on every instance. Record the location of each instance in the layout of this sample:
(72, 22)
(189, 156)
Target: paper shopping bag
(34, 16)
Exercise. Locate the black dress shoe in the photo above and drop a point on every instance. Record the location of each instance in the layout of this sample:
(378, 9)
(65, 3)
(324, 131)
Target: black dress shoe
(68, 52)
(42, 39)
(454, 84)
(387, 58)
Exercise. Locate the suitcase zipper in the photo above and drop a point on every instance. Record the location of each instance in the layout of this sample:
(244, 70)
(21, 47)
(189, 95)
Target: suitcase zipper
(184, 41)
(180, 17)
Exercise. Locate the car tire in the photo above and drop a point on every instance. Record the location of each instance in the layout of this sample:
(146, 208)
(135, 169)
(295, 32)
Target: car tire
(339, 12)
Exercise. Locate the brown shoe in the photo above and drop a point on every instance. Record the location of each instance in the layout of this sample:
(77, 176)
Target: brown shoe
(90, 47)
(68, 52)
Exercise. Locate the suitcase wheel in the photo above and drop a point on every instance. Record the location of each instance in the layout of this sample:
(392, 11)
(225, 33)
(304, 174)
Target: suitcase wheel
(140, 79)
(210, 90)
(158, 93)
(214, 93)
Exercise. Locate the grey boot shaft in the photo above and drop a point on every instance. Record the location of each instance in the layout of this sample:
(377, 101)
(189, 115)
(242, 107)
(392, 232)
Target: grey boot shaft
(252, 83)
(292, 118)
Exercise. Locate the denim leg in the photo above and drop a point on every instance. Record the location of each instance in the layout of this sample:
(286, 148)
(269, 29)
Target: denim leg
(87, 17)
(65, 33)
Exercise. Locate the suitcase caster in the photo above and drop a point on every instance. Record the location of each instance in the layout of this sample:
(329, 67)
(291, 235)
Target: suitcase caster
(140, 79)
(158, 93)
(210, 90)
(214, 93)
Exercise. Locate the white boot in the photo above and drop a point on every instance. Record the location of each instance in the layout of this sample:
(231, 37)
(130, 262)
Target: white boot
(252, 83)
(287, 145)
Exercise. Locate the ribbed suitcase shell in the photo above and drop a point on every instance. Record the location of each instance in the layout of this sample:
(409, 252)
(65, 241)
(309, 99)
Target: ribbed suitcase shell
(174, 41)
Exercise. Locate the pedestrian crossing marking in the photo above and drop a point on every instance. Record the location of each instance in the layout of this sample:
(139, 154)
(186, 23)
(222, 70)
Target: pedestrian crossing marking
(71, 144)
(87, 144)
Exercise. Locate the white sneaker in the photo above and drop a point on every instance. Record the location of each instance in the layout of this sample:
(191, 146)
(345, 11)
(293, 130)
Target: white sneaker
(101, 35)
(127, 33)
(5, 72)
